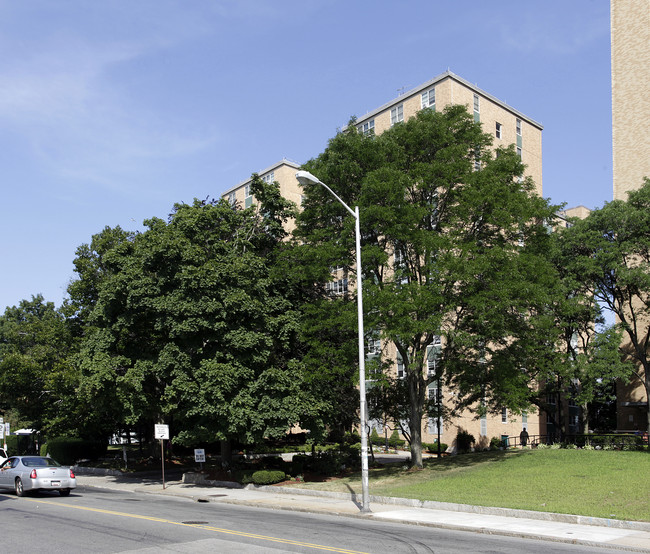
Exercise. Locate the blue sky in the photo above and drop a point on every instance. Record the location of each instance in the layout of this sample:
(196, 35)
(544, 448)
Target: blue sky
(112, 111)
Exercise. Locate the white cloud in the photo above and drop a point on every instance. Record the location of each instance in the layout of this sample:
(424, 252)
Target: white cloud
(67, 97)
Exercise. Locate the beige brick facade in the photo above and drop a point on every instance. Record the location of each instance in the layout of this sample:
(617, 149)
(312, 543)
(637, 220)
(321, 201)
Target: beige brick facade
(448, 88)
(514, 128)
(630, 25)
(630, 28)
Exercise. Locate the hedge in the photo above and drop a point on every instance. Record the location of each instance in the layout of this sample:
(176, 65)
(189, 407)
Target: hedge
(68, 450)
(268, 477)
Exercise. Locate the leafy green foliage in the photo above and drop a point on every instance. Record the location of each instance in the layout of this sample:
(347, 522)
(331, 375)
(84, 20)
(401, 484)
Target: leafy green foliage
(450, 248)
(609, 252)
(37, 381)
(191, 322)
(268, 477)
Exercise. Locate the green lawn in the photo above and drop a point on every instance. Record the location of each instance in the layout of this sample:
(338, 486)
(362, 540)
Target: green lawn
(609, 484)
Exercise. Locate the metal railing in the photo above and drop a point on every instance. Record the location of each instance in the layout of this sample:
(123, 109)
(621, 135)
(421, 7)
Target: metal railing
(616, 441)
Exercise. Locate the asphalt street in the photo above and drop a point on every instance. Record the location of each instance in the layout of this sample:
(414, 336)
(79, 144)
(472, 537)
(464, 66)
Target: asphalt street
(107, 520)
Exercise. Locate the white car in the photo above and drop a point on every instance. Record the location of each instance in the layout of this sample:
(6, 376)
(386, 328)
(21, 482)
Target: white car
(36, 473)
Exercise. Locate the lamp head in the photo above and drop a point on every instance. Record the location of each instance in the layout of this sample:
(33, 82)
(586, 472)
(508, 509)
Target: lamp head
(306, 178)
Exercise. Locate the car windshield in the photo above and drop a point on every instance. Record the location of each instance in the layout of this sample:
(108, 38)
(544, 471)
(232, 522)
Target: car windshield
(40, 462)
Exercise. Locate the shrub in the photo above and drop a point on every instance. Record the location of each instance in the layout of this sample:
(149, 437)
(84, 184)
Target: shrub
(496, 443)
(374, 436)
(394, 441)
(67, 450)
(268, 477)
(432, 447)
(464, 441)
(351, 438)
(273, 462)
(12, 444)
(299, 463)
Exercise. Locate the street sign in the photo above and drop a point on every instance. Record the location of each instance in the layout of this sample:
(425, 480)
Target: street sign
(199, 455)
(161, 432)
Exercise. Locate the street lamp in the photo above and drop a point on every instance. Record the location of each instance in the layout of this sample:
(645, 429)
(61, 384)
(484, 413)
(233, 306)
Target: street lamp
(306, 178)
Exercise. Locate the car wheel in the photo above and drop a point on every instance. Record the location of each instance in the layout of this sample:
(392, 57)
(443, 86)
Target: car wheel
(20, 491)
(64, 492)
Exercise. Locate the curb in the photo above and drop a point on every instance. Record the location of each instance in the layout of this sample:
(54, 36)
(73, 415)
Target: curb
(83, 470)
(467, 508)
(199, 479)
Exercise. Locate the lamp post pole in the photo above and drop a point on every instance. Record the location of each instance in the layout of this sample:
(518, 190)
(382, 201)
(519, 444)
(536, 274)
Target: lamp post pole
(306, 178)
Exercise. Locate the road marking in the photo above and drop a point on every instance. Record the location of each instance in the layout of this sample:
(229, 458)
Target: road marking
(195, 526)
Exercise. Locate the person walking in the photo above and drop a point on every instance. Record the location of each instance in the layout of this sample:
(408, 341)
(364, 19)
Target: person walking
(523, 437)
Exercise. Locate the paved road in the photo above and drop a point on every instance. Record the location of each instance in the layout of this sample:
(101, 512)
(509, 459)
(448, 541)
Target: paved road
(107, 521)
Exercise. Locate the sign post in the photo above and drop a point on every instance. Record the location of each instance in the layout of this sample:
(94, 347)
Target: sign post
(161, 432)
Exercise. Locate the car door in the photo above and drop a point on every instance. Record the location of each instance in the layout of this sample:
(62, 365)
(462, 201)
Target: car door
(6, 475)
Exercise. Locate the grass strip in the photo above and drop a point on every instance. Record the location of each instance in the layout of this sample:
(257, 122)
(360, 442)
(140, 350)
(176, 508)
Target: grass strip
(596, 483)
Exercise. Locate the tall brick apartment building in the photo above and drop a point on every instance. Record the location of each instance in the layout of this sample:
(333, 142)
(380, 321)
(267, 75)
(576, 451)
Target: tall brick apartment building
(630, 35)
(507, 126)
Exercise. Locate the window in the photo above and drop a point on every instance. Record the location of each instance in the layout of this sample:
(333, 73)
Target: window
(519, 127)
(232, 198)
(269, 177)
(367, 128)
(248, 199)
(498, 130)
(433, 356)
(504, 415)
(400, 366)
(483, 430)
(429, 98)
(397, 114)
(435, 397)
(400, 267)
(519, 151)
(374, 345)
(477, 103)
(338, 286)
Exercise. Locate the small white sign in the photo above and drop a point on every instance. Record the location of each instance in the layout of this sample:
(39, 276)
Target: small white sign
(161, 431)
(199, 455)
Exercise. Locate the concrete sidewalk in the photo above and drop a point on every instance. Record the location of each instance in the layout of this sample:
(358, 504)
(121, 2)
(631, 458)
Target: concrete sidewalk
(613, 534)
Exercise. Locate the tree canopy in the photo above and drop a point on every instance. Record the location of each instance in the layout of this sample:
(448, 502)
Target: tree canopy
(609, 252)
(192, 323)
(445, 221)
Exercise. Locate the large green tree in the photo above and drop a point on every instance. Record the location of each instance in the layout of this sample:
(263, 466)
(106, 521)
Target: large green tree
(193, 322)
(444, 221)
(37, 380)
(609, 251)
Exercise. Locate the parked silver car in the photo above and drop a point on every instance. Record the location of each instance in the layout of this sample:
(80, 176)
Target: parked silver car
(32, 473)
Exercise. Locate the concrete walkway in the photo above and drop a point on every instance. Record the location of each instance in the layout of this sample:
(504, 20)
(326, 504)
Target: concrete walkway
(613, 534)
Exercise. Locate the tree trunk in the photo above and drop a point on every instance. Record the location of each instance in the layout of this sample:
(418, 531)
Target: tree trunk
(226, 453)
(416, 402)
(584, 411)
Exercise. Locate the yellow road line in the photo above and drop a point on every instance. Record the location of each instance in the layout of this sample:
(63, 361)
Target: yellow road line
(198, 526)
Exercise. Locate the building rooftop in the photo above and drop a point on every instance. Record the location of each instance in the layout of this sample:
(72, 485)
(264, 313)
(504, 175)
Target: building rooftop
(449, 75)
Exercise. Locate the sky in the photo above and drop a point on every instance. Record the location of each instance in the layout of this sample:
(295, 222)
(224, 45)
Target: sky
(111, 112)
